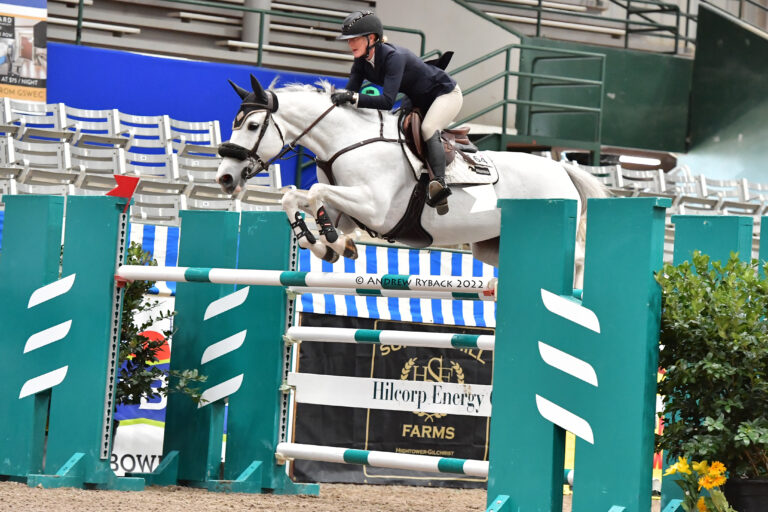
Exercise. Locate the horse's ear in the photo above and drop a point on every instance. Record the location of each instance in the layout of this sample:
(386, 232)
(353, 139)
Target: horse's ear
(257, 88)
(239, 90)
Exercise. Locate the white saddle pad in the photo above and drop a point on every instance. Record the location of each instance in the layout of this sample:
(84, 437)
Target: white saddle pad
(481, 172)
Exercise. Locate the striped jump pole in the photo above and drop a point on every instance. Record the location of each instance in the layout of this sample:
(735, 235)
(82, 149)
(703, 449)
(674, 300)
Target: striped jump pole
(390, 337)
(382, 459)
(487, 294)
(429, 283)
(406, 461)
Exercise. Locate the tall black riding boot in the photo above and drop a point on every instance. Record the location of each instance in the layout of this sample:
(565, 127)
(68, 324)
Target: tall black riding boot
(438, 190)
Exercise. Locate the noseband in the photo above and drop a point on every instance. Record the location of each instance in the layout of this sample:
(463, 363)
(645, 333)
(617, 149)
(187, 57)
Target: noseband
(241, 154)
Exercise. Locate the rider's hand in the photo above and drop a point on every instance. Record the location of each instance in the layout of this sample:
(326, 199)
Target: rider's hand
(340, 98)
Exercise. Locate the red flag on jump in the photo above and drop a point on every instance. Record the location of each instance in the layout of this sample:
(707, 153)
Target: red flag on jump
(126, 185)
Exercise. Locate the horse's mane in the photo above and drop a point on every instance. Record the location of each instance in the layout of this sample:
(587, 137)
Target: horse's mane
(321, 86)
(326, 88)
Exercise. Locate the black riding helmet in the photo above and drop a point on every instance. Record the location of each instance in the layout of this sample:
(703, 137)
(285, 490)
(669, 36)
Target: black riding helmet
(361, 23)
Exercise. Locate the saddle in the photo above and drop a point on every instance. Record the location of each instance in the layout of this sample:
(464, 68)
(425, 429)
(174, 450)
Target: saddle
(455, 140)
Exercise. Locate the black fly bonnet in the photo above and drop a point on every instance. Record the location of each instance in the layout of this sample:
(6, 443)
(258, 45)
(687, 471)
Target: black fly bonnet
(256, 101)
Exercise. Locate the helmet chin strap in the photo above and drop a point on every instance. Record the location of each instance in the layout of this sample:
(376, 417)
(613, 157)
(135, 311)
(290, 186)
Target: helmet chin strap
(369, 46)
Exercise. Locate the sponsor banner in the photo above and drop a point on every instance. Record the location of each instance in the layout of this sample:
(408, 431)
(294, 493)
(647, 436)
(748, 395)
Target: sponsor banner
(23, 50)
(392, 394)
(137, 448)
(19, 92)
(440, 431)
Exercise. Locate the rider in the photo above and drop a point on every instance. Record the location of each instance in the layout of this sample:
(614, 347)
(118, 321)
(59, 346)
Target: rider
(397, 69)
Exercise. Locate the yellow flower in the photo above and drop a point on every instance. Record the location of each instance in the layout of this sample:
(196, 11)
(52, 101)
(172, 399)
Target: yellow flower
(717, 468)
(700, 467)
(707, 482)
(682, 466)
(719, 480)
(671, 470)
(701, 505)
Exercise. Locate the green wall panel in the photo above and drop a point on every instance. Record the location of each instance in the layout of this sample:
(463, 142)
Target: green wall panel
(645, 103)
(729, 105)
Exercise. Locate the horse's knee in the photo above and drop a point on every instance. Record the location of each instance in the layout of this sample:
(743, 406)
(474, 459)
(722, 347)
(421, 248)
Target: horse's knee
(316, 194)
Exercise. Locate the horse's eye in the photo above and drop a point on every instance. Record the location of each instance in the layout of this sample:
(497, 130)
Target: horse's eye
(253, 126)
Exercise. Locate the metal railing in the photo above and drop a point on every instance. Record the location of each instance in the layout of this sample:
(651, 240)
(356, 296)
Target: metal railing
(262, 13)
(740, 10)
(637, 20)
(508, 72)
(628, 25)
(504, 75)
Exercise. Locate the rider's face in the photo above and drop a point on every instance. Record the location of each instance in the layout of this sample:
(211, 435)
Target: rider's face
(358, 46)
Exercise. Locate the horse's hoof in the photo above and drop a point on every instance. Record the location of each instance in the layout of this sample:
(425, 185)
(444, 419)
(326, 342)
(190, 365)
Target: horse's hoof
(330, 256)
(442, 208)
(350, 250)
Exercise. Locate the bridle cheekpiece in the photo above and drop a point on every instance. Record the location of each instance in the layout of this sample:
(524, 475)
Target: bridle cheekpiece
(257, 101)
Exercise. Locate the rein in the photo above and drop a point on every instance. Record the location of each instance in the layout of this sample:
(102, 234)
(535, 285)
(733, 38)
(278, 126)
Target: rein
(238, 152)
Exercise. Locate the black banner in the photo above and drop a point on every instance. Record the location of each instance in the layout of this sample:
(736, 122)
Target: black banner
(442, 435)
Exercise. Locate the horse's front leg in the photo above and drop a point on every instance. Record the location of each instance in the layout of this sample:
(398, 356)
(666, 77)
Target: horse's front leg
(350, 200)
(293, 202)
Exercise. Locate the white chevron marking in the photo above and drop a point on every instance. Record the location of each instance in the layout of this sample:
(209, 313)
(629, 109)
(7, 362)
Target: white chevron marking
(570, 310)
(565, 419)
(226, 303)
(219, 391)
(51, 291)
(224, 346)
(43, 382)
(49, 335)
(567, 363)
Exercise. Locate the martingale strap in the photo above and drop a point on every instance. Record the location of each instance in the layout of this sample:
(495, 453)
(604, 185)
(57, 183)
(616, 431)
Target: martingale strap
(327, 165)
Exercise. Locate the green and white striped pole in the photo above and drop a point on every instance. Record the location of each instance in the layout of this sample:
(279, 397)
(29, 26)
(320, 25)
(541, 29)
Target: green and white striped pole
(389, 337)
(428, 283)
(406, 461)
(485, 295)
(382, 459)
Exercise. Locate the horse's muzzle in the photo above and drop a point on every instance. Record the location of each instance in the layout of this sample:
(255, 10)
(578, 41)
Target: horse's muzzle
(227, 183)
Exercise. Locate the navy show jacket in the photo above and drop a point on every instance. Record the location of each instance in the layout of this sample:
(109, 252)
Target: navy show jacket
(398, 69)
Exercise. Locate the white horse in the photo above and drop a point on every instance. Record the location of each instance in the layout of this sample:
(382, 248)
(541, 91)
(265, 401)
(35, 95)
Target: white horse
(373, 174)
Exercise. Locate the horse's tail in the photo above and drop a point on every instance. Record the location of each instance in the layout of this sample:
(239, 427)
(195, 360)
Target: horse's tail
(587, 186)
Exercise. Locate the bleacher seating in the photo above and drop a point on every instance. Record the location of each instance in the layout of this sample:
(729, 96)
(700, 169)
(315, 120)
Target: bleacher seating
(690, 194)
(297, 37)
(57, 149)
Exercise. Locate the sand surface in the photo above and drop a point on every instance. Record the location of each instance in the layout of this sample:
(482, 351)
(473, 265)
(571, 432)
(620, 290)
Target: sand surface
(333, 498)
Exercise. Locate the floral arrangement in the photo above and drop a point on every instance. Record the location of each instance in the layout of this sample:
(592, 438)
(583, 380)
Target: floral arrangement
(698, 476)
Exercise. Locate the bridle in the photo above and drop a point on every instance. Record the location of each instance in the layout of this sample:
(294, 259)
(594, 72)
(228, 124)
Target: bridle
(231, 150)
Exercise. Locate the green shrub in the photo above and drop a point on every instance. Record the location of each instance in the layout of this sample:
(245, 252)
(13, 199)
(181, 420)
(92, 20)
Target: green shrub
(138, 354)
(714, 338)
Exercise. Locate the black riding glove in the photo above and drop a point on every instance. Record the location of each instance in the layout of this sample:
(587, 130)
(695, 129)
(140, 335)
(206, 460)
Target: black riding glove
(340, 98)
